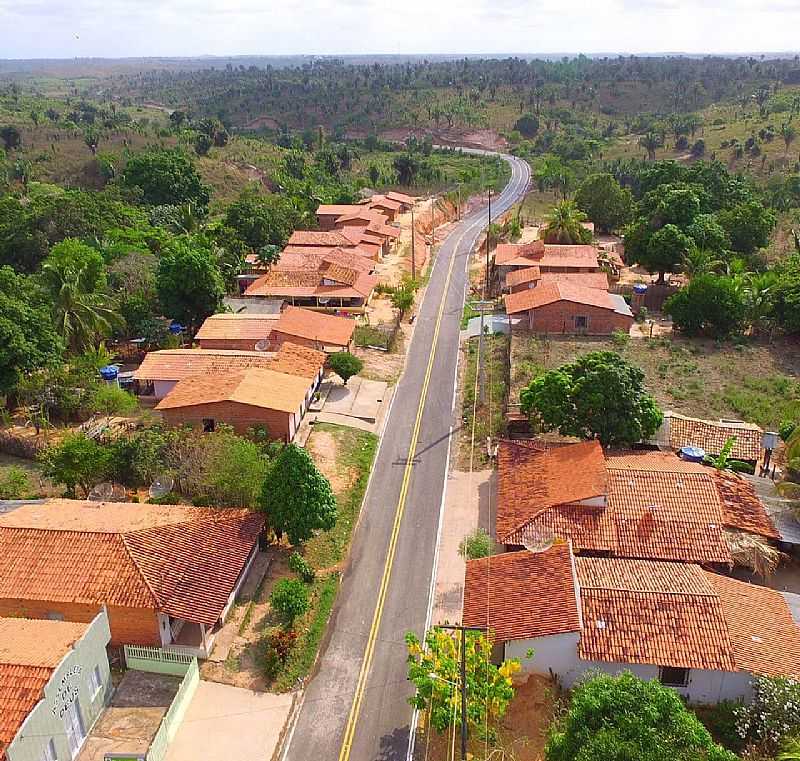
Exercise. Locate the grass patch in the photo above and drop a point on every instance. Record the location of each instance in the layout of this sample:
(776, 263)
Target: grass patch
(490, 410)
(356, 452)
(311, 628)
(753, 381)
(467, 315)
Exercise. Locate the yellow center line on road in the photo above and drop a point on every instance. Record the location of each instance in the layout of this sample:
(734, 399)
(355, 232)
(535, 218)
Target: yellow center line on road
(349, 733)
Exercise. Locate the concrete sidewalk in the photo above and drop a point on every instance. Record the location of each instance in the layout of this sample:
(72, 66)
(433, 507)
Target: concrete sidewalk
(469, 504)
(225, 723)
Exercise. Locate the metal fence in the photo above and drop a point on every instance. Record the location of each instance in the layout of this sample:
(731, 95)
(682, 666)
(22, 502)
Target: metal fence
(158, 660)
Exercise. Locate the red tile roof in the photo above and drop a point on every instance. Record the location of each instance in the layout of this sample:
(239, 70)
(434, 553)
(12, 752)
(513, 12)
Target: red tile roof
(711, 435)
(658, 506)
(21, 688)
(522, 276)
(741, 507)
(664, 614)
(521, 594)
(401, 197)
(315, 326)
(309, 258)
(176, 364)
(331, 209)
(765, 638)
(550, 293)
(532, 481)
(313, 238)
(586, 279)
(242, 327)
(176, 559)
(384, 202)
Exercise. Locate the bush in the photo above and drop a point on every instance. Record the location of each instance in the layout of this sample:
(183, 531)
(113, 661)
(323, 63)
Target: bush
(739, 466)
(289, 599)
(278, 648)
(299, 565)
(345, 365)
(771, 717)
(620, 338)
(15, 483)
(709, 304)
(720, 720)
(478, 544)
(77, 461)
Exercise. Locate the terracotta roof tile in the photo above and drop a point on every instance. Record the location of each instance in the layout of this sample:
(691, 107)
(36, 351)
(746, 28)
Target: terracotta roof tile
(384, 202)
(531, 481)
(765, 638)
(507, 252)
(176, 364)
(586, 279)
(711, 435)
(295, 359)
(245, 327)
(522, 594)
(313, 238)
(255, 387)
(37, 642)
(648, 612)
(21, 688)
(549, 293)
(314, 326)
(122, 558)
(522, 276)
(401, 197)
(741, 507)
(329, 209)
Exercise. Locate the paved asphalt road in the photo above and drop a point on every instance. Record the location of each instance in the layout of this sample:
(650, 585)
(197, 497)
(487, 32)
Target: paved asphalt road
(379, 728)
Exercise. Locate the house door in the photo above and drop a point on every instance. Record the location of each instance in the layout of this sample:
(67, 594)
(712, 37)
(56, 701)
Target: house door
(73, 726)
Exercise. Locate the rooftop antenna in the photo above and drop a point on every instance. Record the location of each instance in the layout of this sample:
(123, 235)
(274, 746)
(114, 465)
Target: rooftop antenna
(161, 486)
(101, 492)
(262, 345)
(537, 539)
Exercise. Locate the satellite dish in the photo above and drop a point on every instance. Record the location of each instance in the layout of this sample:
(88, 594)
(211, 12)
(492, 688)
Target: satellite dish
(537, 539)
(323, 301)
(101, 493)
(262, 345)
(161, 486)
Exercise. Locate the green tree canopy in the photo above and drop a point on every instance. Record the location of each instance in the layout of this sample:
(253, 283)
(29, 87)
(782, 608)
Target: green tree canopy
(28, 340)
(345, 365)
(77, 461)
(296, 497)
(598, 396)
(622, 718)
(261, 220)
(188, 281)
(166, 176)
(748, 225)
(527, 125)
(709, 304)
(565, 225)
(605, 202)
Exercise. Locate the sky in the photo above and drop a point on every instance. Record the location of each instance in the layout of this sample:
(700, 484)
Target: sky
(130, 28)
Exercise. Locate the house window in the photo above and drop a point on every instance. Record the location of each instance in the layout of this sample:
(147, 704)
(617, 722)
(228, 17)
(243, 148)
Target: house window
(208, 425)
(54, 615)
(95, 682)
(581, 322)
(49, 752)
(673, 677)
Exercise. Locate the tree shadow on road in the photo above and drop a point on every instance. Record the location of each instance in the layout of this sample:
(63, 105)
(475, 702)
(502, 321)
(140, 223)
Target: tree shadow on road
(394, 746)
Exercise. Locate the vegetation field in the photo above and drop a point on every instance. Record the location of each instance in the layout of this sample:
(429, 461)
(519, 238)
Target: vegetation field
(747, 380)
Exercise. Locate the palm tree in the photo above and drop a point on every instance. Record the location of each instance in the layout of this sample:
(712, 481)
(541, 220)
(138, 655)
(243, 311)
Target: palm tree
(564, 224)
(756, 288)
(700, 261)
(81, 316)
(651, 142)
(788, 133)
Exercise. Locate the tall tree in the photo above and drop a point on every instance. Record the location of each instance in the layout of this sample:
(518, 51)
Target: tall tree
(564, 224)
(166, 177)
(189, 282)
(605, 202)
(296, 497)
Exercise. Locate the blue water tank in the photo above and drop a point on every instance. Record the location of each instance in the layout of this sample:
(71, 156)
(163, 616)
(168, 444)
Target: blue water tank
(175, 328)
(640, 288)
(693, 454)
(109, 372)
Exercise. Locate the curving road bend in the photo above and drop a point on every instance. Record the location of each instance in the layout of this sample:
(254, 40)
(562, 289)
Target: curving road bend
(356, 705)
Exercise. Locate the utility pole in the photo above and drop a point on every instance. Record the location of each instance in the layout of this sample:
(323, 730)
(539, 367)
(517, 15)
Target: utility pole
(488, 239)
(413, 250)
(463, 630)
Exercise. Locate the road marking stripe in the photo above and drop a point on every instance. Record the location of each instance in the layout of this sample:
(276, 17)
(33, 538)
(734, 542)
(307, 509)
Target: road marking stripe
(347, 742)
(355, 709)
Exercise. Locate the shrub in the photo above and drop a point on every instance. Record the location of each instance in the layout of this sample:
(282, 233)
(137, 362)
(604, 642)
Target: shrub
(771, 717)
(278, 648)
(786, 429)
(299, 565)
(77, 461)
(720, 720)
(739, 466)
(478, 544)
(14, 483)
(345, 365)
(709, 304)
(620, 338)
(289, 599)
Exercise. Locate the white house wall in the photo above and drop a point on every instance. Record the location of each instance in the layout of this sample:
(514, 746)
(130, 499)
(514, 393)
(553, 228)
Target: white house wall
(558, 654)
(162, 387)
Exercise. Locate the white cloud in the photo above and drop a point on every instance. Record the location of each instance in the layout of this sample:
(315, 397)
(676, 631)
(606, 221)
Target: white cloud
(113, 28)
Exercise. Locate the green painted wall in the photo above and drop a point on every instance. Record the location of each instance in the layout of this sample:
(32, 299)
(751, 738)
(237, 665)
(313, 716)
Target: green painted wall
(70, 682)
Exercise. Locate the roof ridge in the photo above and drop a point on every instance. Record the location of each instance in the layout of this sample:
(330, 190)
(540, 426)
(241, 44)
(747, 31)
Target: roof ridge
(629, 590)
(123, 538)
